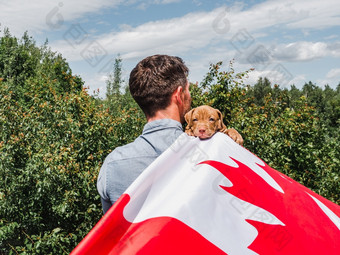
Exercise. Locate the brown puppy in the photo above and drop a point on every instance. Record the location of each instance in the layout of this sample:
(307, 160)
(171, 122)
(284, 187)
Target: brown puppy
(204, 121)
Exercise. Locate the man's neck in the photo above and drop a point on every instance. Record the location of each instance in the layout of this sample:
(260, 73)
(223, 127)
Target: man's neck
(165, 114)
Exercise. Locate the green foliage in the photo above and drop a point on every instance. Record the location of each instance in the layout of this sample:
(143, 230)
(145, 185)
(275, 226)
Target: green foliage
(21, 60)
(53, 139)
(118, 98)
(113, 87)
(222, 90)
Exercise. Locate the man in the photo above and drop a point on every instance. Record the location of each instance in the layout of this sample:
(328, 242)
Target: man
(160, 87)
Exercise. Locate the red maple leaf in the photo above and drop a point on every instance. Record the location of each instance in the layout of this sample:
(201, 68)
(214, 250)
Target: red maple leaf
(307, 229)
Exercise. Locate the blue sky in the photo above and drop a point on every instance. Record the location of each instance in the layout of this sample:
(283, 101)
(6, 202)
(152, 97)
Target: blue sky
(290, 42)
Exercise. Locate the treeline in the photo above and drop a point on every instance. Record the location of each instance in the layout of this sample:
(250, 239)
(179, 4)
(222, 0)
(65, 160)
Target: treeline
(54, 137)
(325, 101)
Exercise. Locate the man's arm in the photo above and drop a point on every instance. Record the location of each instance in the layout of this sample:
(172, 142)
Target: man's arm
(101, 187)
(105, 205)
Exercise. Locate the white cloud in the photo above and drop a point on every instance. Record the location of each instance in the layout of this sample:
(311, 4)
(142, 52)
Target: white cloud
(334, 49)
(260, 56)
(38, 15)
(254, 76)
(330, 37)
(190, 31)
(332, 78)
(178, 35)
(166, 1)
(299, 80)
(320, 14)
(276, 77)
(333, 73)
(142, 5)
(305, 51)
(300, 51)
(268, 14)
(313, 14)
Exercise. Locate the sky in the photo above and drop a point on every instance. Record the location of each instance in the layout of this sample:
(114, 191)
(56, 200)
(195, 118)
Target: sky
(289, 42)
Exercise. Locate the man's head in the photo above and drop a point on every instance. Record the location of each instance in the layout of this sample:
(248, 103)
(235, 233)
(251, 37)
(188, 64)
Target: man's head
(154, 79)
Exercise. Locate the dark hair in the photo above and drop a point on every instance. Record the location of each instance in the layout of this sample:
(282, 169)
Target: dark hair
(154, 79)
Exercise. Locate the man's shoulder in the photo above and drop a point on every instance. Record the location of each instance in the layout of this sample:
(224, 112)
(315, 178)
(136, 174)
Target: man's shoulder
(153, 142)
(126, 151)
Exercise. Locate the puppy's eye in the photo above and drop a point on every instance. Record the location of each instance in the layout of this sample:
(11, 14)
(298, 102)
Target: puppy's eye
(194, 120)
(211, 119)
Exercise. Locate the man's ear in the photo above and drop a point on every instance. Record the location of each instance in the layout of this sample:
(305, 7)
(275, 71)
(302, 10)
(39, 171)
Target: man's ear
(220, 124)
(178, 95)
(188, 118)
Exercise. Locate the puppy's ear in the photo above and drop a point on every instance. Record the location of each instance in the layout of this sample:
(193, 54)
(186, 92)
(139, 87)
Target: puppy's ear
(220, 124)
(188, 118)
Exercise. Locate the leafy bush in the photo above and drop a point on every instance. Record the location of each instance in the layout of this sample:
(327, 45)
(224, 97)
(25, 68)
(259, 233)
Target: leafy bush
(54, 137)
(51, 154)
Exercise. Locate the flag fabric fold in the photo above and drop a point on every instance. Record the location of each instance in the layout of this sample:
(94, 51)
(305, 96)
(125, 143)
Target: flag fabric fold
(215, 197)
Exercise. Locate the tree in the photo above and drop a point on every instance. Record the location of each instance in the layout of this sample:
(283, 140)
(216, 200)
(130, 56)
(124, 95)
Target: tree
(22, 61)
(260, 90)
(331, 114)
(314, 96)
(294, 96)
(114, 86)
(224, 90)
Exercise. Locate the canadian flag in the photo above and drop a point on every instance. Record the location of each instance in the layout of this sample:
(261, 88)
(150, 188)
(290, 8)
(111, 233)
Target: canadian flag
(215, 197)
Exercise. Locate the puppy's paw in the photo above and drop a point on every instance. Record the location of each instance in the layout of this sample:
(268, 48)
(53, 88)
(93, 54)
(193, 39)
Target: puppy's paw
(233, 134)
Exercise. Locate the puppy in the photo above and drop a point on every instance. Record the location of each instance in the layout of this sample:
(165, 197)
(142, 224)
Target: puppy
(204, 121)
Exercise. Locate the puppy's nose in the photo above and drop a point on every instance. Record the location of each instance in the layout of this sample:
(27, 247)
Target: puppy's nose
(201, 130)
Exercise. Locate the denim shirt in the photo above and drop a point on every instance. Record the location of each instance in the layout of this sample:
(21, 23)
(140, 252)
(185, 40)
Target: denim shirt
(124, 164)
